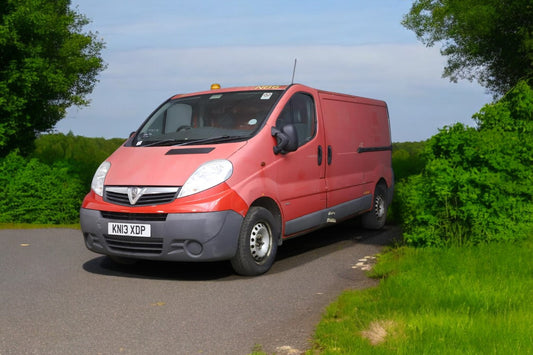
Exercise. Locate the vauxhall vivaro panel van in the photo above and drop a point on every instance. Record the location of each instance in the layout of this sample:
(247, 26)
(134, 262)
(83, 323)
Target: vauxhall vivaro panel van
(228, 174)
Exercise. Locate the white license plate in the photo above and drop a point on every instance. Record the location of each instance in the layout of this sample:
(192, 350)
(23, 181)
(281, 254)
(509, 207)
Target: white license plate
(129, 229)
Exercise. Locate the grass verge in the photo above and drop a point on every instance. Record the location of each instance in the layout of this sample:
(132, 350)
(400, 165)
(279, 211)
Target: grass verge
(468, 300)
(37, 226)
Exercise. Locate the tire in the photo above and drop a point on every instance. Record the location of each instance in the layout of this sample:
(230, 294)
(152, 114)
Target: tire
(376, 217)
(258, 243)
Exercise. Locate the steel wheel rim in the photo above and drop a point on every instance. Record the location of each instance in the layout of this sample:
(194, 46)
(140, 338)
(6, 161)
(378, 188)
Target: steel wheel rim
(260, 241)
(379, 206)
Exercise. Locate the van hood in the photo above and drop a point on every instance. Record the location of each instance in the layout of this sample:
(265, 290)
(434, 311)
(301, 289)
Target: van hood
(162, 166)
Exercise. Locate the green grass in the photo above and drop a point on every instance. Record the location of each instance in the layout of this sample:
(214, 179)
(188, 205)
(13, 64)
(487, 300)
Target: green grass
(37, 226)
(469, 300)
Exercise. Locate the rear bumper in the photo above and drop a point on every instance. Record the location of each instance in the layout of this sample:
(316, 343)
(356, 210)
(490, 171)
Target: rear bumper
(206, 236)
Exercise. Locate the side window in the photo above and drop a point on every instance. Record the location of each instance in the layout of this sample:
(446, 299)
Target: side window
(299, 111)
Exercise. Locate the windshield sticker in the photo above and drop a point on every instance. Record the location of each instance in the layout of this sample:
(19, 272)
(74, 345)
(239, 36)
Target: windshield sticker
(266, 96)
(252, 122)
(214, 97)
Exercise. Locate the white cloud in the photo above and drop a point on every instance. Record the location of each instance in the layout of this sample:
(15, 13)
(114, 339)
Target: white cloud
(407, 76)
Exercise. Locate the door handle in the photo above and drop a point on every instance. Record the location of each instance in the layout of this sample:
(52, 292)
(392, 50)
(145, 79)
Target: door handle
(319, 155)
(330, 155)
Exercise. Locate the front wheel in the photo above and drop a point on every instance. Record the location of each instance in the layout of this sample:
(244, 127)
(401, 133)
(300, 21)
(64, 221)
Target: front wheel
(258, 243)
(376, 217)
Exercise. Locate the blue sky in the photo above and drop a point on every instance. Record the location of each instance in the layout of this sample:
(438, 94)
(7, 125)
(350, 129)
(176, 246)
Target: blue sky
(157, 48)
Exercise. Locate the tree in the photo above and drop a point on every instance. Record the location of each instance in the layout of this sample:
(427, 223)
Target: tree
(47, 64)
(477, 185)
(487, 40)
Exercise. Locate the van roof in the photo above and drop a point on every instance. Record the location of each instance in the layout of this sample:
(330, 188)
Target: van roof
(232, 89)
(322, 93)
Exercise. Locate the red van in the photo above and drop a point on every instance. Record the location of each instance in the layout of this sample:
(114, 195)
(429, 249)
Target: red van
(229, 174)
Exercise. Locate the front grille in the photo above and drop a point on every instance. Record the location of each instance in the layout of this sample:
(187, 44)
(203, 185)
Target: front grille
(149, 196)
(124, 216)
(147, 246)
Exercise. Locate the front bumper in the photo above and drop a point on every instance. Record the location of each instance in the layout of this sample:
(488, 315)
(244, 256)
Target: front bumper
(206, 236)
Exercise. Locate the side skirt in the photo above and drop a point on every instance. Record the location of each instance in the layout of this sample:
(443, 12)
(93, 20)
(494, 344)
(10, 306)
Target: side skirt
(327, 216)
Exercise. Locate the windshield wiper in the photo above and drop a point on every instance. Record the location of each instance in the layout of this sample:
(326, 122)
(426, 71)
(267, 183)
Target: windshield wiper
(161, 142)
(218, 139)
(179, 142)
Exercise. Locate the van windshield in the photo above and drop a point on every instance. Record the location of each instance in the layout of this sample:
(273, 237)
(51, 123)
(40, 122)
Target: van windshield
(207, 119)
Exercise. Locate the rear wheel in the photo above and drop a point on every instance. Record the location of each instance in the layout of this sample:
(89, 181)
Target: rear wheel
(258, 243)
(376, 217)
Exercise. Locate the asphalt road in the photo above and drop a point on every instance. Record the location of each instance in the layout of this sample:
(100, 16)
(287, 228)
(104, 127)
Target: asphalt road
(56, 297)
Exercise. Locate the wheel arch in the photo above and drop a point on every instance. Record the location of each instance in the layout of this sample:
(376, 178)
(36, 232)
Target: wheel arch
(272, 206)
(389, 189)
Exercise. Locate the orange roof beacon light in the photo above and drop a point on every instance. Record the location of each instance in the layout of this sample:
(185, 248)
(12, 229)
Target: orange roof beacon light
(215, 86)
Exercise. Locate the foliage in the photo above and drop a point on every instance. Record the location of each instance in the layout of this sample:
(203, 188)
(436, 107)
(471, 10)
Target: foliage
(49, 187)
(47, 64)
(33, 192)
(468, 300)
(407, 159)
(83, 155)
(477, 185)
(487, 40)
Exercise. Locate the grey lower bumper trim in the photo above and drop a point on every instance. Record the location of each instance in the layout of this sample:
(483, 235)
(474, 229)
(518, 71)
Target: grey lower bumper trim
(182, 237)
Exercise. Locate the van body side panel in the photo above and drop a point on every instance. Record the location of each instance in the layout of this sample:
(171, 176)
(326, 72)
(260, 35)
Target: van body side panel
(300, 189)
(296, 190)
(327, 216)
(300, 175)
(294, 180)
(352, 123)
(346, 172)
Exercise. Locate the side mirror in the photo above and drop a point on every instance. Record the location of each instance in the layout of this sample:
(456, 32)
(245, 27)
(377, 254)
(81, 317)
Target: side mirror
(287, 139)
(129, 141)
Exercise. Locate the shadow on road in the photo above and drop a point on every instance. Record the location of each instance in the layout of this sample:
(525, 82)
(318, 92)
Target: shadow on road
(162, 270)
(301, 250)
(293, 253)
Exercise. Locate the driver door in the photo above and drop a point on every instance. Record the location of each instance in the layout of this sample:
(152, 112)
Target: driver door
(300, 175)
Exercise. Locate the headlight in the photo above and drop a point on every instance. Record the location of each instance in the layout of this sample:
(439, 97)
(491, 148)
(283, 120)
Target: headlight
(206, 176)
(99, 177)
